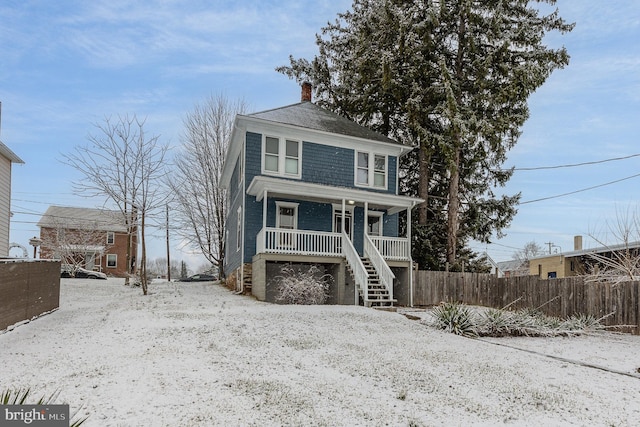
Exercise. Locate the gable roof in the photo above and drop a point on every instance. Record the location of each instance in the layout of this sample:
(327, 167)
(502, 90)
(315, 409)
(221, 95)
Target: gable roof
(6, 152)
(512, 265)
(310, 116)
(82, 219)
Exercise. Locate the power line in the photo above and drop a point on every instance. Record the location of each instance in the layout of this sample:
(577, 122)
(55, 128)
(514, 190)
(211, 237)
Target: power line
(572, 165)
(579, 191)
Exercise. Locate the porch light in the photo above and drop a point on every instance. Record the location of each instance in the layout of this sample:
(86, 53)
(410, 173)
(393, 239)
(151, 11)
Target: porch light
(351, 202)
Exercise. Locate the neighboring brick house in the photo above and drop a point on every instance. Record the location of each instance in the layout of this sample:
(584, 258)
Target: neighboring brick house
(7, 158)
(95, 239)
(307, 186)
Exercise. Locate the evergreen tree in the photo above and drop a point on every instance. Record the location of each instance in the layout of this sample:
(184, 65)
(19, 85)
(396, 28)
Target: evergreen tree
(451, 78)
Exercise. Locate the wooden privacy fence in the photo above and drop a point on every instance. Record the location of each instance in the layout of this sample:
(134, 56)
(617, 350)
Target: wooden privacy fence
(555, 297)
(27, 290)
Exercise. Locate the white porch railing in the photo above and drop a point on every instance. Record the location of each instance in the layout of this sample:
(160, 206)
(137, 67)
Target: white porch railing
(360, 274)
(378, 262)
(392, 248)
(301, 242)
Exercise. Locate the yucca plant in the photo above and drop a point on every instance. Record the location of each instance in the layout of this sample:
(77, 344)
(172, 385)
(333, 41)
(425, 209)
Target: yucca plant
(20, 396)
(455, 318)
(495, 323)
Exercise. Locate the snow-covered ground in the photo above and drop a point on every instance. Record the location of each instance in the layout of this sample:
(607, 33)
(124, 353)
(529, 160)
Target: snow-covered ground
(195, 354)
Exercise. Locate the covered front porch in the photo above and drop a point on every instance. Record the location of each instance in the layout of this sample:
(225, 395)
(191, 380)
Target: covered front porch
(356, 226)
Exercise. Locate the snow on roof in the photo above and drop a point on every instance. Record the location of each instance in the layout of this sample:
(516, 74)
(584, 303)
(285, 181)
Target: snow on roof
(82, 219)
(511, 265)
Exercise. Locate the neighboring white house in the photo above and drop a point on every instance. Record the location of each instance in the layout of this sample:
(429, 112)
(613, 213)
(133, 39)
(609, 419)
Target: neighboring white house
(7, 157)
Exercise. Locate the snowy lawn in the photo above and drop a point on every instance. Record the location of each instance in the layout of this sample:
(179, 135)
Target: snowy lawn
(193, 354)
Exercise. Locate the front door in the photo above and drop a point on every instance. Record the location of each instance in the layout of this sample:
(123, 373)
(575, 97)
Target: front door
(287, 219)
(348, 222)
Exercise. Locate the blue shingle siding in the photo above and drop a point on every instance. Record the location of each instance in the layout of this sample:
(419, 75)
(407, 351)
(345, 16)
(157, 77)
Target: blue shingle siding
(253, 157)
(311, 215)
(390, 225)
(252, 226)
(235, 193)
(327, 165)
(392, 170)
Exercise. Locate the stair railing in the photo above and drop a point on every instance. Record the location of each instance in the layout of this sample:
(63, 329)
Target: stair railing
(360, 274)
(378, 262)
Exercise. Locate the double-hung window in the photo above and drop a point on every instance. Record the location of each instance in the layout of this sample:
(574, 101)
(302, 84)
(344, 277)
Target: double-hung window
(112, 260)
(281, 156)
(371, 170)
(111, 237)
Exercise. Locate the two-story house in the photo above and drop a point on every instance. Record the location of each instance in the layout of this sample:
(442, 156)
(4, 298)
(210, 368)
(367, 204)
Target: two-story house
(7, 158)
(307, 186)
(95, 239)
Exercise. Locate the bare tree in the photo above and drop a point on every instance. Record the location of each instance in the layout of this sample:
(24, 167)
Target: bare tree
(200, 202)
(157, 267)
(124, 165)
(620, 261)
(530, 250)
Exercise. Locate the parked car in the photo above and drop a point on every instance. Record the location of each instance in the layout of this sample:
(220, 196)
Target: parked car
(68, 270)
(199, 278)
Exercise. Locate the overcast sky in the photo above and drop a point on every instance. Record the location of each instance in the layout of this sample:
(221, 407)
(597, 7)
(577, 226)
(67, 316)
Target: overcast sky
(66, 65)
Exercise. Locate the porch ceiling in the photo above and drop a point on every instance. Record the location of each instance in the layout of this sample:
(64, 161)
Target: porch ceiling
(328, 194)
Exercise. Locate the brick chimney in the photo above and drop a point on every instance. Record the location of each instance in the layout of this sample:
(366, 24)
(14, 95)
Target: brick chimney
(306, 92)
(577, 243)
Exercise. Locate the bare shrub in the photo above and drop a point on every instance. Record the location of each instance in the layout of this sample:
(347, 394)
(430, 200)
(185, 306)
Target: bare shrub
(303, 285)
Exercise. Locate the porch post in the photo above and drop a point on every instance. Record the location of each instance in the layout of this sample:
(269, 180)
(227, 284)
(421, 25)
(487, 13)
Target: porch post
(343, 208)
(264, 210)
(410, 257)
(366, 218)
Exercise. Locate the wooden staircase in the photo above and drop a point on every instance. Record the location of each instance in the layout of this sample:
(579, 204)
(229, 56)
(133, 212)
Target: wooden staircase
(377, 292)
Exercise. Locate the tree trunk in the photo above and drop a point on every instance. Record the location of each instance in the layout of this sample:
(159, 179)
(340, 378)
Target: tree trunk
(454, 206)
(424, 160)
(128, 257)
(143, 256)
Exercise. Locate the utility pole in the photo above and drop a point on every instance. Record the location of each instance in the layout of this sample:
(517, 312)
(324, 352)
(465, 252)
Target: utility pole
(168, 259)
(550, 244)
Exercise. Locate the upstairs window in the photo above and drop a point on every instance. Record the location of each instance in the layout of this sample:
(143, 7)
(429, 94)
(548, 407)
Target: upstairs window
(281, 157)
(363, 169)
(371, 170)
(111, 237)
(271, 154)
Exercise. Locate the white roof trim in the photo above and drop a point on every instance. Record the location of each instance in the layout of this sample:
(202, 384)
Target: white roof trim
(6, 152)
(393, 203)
